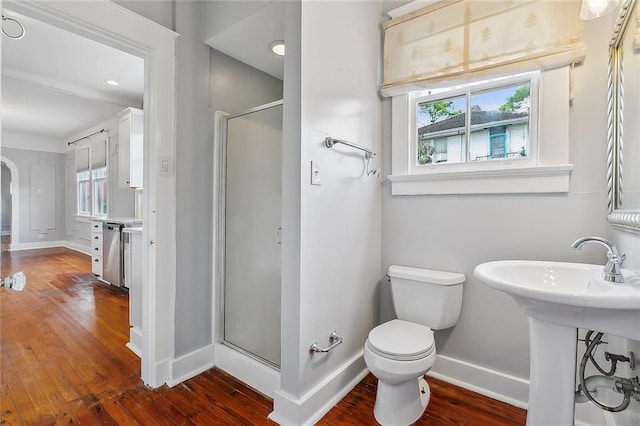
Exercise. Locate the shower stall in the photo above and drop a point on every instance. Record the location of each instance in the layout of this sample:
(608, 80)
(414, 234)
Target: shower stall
(250, 199)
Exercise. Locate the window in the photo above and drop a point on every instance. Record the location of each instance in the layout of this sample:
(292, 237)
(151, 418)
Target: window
(505, 135)
(481, 122)
(92, 179)
(99, 178)
(84, 193)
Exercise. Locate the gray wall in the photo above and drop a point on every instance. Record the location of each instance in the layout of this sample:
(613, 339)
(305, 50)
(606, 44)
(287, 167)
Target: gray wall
(160, 11)
(455, 233)
(5, 203)
(41, 205)
(194, 162)
(236, 87)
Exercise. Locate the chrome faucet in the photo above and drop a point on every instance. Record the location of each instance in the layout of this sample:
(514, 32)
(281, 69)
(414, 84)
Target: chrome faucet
(612, 270)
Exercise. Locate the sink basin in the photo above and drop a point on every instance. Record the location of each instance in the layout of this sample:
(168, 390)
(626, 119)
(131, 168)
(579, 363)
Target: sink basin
(559, 298)
(572, 294)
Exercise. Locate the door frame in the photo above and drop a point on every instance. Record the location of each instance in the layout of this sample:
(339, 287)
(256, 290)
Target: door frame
(111, 24)
(15, 188)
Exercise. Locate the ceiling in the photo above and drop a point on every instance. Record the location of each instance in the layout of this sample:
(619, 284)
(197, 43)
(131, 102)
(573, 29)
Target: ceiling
(247, 39)
(53, 81)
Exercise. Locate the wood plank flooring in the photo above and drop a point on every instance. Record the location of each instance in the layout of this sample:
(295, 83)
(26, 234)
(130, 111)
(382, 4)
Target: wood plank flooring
(63, 360)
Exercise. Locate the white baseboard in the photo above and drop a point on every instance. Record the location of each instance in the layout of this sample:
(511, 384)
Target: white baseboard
(135, 341)
(307, 410)
(259, 376)
(51, 244)
(36, 245)
(494, 384)
(191, 364)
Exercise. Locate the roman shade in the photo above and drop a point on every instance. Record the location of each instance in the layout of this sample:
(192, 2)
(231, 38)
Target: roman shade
(99, 154)
(82, 159)
(454, 41)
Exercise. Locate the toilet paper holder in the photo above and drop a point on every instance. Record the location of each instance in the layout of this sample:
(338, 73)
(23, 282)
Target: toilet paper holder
(334, 340)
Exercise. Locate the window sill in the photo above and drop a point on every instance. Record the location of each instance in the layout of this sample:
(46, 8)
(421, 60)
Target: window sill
(521, 180)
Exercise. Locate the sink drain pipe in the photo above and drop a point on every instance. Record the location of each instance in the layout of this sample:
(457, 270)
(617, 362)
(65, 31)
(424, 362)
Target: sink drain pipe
(588, 387)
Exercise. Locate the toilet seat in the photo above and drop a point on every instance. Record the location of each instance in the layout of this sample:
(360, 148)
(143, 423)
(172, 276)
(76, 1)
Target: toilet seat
(401, 340)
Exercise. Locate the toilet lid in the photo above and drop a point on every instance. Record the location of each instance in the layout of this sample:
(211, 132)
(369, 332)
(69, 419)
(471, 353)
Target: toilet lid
(401, 340)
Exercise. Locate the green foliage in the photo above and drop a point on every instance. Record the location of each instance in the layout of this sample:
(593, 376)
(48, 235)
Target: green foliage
(516, 101)
(438, 110)
(425, 152)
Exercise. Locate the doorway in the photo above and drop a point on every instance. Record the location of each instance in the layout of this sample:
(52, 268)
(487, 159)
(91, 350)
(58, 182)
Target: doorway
(112, 25)
(6, 202)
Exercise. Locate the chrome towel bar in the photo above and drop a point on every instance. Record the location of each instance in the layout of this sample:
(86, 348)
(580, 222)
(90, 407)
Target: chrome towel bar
(334, 340)
(368, 152)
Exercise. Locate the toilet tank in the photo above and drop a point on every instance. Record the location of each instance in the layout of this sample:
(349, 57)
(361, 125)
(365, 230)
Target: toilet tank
(427, 297)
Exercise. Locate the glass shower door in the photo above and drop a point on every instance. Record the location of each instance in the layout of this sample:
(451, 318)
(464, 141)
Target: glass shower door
(253, 198)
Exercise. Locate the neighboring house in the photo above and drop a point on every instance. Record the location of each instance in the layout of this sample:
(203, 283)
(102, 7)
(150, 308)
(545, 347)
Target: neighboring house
(494, 134)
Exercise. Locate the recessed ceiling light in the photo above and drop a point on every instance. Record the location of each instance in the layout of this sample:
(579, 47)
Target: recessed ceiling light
(112, 83)
(277, 47)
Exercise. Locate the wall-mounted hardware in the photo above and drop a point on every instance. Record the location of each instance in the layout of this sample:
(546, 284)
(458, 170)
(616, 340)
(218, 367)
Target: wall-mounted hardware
(368, 153)
(334, 341)
(315, 173)
(588, 387)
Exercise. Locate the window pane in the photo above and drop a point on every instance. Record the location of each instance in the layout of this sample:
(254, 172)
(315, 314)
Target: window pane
(83, 192)
(441, 131)
(100, 189)
(500, 123)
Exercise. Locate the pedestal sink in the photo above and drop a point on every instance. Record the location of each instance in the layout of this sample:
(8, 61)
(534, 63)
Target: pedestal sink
(559, 298)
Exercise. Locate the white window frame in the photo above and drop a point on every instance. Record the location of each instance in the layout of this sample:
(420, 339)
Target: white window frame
(546, 170)
(91, 213)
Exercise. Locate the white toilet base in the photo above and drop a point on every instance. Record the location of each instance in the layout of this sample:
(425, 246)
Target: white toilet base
(401, 404)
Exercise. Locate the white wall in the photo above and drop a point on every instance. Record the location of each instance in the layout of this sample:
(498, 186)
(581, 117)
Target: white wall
(339, 243)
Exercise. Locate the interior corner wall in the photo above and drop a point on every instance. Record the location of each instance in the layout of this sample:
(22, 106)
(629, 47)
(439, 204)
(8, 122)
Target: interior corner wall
(457, 232)
(340, 221)
(237, 87)
(52, 226)
(193, 171)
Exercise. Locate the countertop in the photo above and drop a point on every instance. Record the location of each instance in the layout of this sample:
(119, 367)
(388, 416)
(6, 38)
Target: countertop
(127, 221)
(133, 230)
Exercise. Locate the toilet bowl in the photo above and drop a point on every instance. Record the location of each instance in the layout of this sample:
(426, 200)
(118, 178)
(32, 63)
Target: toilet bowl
(399, 352)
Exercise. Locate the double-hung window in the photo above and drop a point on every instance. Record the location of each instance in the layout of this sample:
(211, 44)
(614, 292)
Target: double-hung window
(92, 179)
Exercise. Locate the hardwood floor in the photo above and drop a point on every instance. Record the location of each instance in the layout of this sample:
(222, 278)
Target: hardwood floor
(63, 360)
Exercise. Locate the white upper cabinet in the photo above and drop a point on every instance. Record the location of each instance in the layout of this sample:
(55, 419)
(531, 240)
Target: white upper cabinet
(130, 151)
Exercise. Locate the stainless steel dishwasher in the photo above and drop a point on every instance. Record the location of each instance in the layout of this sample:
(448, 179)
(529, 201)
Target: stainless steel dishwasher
(113, 254)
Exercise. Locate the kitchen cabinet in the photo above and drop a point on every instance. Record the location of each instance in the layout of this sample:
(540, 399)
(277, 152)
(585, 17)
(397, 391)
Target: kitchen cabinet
(96, 248)
(130, 149)
(133, 280)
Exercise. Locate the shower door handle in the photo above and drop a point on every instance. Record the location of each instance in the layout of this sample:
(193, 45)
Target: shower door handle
(279, 235)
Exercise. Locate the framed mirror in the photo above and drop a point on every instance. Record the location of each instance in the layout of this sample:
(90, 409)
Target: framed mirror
(623, 121)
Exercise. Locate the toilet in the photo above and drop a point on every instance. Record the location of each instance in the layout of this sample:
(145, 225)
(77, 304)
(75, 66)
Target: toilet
(400, 352)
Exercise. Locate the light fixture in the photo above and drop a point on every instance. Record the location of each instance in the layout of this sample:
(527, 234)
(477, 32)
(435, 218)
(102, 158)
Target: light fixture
(592, 9)
(112, 83)
(277, 47)
(12, 28)
(16, 281)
